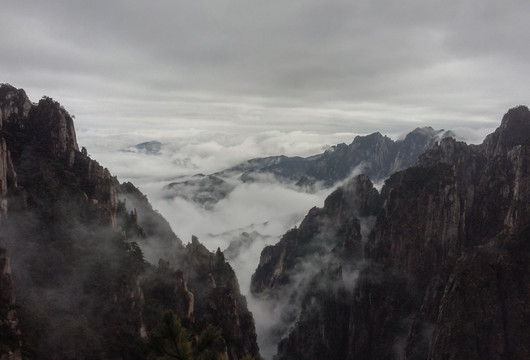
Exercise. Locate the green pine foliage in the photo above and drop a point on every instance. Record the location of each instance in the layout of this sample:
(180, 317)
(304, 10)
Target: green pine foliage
(170, 340)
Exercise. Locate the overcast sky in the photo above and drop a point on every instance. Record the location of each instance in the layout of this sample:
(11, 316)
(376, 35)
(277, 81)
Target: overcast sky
(250, 66)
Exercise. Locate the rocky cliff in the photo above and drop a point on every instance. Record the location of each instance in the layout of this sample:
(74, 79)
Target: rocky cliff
(202, 291)
(444, 272)
(10, 346)
(76, 239)
(327, 245)
(378, 156)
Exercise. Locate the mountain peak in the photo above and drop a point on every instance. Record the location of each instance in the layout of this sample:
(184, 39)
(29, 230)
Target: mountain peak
(514, 130)
(13, 101)
(87, 290)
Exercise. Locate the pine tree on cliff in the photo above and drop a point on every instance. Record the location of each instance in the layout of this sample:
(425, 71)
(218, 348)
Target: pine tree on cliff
(170, 340)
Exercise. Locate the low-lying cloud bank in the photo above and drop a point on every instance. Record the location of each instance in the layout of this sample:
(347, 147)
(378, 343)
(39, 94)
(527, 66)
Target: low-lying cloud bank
(265, 206)
(188, 152)
(251, 216)
(191, 151)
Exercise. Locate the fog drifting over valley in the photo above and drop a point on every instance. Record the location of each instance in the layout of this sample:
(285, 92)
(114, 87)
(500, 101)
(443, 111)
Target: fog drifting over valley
(252, 216)
(219, 83)
(264, 210)
(267, 206)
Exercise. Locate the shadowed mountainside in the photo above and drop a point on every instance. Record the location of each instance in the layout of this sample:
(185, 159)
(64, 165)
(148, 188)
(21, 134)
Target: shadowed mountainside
(443, 274)
(83, 287)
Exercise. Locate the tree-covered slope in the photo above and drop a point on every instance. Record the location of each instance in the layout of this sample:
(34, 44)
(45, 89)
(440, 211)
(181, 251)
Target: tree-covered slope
(75, 283)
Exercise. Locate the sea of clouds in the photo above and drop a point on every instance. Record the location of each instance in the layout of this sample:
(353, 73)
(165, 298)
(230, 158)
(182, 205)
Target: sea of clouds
(252, 216)
(266, 207)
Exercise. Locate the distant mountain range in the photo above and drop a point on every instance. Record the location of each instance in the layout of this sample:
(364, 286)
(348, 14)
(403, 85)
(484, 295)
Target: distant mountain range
(435, 265)
(375, 155)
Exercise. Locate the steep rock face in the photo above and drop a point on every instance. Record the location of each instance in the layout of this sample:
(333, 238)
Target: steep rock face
(51, 130)
(218, 299)
(168, 289)
(13, 102)
(377, 155)
(509, 147)
(98, 187)
(198, 285)
(463, 199)
(416, 143)
(56, 124)
(334, 228)
(158, 239)
(373, 152)
(10, 342)
(8, 176)
(41, 140)
(203, 291)
(513, 131)
(82, 279)
(484, 310)
(317, 335)
(291, 275)
(406, 231)
(446, 266)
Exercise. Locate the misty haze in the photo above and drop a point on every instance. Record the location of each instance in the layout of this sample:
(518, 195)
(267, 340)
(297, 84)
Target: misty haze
(264, 181)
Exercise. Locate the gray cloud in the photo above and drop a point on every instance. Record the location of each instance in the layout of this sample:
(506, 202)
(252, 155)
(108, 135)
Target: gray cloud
(337, 64)
(222, 82)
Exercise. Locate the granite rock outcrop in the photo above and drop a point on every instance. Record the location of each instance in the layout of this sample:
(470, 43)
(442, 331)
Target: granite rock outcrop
(444, 273)
(77, 240)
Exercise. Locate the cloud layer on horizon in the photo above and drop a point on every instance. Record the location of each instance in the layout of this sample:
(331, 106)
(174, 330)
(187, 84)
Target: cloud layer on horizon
(266, 207)
(330, 66)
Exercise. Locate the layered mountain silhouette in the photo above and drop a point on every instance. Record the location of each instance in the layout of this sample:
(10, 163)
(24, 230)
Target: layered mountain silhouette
(435, 266)
(375, 155)
(74, 280)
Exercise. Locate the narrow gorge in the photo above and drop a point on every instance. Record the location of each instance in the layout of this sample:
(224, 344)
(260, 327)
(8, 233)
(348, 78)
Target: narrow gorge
(432, 265)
